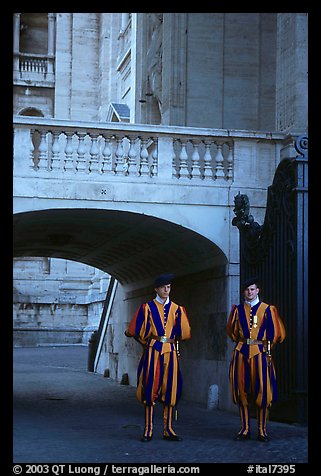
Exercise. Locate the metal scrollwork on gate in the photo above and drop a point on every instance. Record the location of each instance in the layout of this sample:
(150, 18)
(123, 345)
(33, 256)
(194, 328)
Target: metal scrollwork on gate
(280, 212)
(301, 146)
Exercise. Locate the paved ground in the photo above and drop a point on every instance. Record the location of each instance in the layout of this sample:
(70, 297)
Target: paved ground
(65, 414)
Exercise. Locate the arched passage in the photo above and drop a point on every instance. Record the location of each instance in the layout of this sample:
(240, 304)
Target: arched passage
(131, 247)
(134, 248)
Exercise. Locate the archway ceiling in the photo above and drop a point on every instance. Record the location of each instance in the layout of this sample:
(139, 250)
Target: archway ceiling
(129, 246)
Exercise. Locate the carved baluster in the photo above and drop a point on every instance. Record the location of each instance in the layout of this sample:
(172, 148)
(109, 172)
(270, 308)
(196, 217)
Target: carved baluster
(196, 173)
(229, 160)
(34, 149)
(55, 160)
(219, 162)
(175, 172)
(68, 161)
(100, 143)
(154, 167)
(81, 165)
(118, 168)
(125, 166)
(208, 173)
(107, 154)
(144, 169)
(183, 168)
(43, 149)
(94, 151)
(132, 154)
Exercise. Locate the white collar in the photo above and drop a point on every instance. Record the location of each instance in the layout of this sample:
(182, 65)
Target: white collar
(158, 299)
(252, 303)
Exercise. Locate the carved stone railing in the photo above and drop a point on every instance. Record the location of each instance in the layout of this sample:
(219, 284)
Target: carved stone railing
(123, 149)
(34, 68)
(52, 147)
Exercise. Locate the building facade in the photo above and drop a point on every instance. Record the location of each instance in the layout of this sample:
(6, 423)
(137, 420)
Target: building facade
(183, 78)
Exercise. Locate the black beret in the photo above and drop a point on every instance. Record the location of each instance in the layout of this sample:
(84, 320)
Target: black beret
(163, 279)
(249, 282)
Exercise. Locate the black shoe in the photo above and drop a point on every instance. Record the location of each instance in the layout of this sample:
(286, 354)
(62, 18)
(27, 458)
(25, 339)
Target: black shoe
(263, 438)
(146, 439)
(242, 437)
(172, 438)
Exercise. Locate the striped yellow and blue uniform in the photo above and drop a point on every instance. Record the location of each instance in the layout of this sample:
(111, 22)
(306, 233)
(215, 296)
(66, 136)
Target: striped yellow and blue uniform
(158, 375)
(250, 369)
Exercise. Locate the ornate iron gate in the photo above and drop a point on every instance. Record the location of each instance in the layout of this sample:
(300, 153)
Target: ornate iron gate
(277, 252)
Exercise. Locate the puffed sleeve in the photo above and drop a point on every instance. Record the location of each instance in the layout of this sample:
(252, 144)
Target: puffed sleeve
(139, 326)
(182, 327)
(275, 330)
(233, 324)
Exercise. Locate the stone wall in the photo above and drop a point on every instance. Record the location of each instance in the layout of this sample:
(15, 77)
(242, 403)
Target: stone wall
(56, 301)
(230, 62)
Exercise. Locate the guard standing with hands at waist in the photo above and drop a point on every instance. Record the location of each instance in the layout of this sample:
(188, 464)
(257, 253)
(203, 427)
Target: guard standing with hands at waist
(158, 325)
(255, 327)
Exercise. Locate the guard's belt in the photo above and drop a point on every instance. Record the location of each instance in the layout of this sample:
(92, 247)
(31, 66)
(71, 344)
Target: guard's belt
(252, 341)
(163, 339)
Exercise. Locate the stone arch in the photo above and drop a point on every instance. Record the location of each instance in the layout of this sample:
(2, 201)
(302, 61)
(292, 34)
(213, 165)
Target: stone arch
(129, 246)
(134, 248)
(31, 111)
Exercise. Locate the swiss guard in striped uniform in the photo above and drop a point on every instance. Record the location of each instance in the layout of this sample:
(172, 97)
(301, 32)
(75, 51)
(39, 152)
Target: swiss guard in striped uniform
(158, 325)
(255, 327)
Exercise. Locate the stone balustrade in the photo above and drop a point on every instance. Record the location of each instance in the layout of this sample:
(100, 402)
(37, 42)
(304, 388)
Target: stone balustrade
(33, 64)
(36, 68)
(59, 147)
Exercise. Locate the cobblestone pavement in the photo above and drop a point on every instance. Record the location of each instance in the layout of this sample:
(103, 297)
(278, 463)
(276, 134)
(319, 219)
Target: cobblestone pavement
(65, 414)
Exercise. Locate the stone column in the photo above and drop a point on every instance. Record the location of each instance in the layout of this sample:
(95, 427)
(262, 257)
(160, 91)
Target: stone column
(174, 68)
(140, 35)
(51, 42)
(292, 73)
(16, 41)
(51, 33)
(63, 65)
